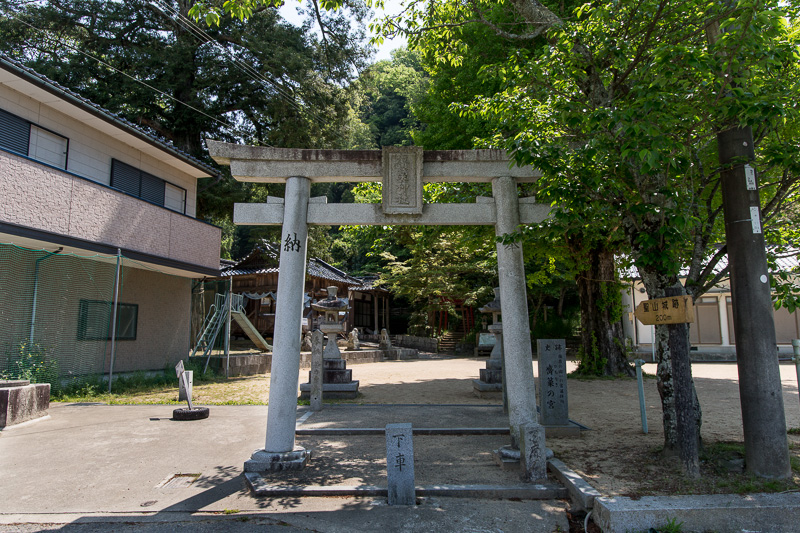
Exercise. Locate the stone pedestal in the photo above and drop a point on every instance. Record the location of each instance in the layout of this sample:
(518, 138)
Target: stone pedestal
(263, 461)
(337, 381)
(490, 384)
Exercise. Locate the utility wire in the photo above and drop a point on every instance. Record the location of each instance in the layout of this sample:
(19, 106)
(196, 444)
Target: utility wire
(162, 93)
(198, 32)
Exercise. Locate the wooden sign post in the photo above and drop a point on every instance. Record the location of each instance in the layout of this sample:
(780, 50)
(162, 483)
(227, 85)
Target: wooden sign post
(672, 310)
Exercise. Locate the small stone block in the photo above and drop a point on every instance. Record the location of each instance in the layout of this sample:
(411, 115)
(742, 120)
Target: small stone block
(533, 453)
(337, 376)
(400, 464)
(264, 461)
(332, 391)
(22, 403)
(315, 376)
(507, 458)
(494, 364)
(491, 376)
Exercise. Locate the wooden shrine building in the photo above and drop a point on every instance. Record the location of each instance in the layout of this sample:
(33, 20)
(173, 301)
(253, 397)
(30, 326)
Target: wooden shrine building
(256, 277)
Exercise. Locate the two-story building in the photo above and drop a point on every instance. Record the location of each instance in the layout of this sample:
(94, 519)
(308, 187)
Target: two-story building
(82, 191)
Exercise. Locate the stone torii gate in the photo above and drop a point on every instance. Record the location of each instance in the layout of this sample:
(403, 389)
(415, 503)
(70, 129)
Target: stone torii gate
(402, 171)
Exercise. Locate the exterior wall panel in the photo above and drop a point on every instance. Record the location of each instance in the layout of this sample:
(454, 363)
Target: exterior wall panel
(42, 198)
(163, 322)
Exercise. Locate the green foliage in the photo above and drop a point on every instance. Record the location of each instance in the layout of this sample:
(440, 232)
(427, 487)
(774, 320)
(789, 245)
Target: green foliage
(390, 89)
(95, 388)
(556, 327)
(592, 362)
(672, 526)
(32, 362)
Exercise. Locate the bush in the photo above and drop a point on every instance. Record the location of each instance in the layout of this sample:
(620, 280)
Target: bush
(31, 362)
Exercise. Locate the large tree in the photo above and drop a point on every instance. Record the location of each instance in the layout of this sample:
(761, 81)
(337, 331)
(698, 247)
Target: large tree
(619, 108)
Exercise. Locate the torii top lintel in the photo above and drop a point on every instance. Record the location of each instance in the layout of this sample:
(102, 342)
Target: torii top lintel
(274, 165)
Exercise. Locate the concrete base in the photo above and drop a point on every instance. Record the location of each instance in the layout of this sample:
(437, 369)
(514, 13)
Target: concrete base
(487, 391)
(581, 494)
(332, 391)
(263, 461)
(528, 491)
(508, 458)
(774, 513)
(21, 402)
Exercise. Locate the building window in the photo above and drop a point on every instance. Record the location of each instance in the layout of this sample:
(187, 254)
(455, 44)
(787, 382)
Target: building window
(48, 147)
(175, 198)
(147, 187)
(22, 137)
(94, 320)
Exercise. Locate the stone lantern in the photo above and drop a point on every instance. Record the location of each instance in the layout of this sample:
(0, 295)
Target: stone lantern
(491, 377)
(331, 326)
(496, 327)
(337, 380)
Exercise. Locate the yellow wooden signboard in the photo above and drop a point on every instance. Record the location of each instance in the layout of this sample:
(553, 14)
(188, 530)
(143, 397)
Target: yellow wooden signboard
(672, 310)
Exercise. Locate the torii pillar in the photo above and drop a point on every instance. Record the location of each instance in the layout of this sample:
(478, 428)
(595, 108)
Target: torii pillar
(402, 171)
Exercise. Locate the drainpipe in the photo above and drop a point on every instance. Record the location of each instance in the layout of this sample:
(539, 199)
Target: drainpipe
(114, 320)
(228, 328)
(36, 292)
(796, 357)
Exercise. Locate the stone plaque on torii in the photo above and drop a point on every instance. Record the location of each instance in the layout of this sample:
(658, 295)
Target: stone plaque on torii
(402, 171)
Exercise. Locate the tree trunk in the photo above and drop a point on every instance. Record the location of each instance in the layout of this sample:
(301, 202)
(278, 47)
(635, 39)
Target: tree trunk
(686, 430)
(602, 336)
(657, 285)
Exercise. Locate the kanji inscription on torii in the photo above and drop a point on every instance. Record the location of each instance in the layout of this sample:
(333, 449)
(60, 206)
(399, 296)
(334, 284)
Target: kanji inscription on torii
(402, 180)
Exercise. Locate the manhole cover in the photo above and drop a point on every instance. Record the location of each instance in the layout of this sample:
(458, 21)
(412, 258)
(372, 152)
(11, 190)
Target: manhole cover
(178, 481)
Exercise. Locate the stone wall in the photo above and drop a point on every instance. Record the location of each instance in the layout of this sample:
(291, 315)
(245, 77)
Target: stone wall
(248, 365)
(425, 344)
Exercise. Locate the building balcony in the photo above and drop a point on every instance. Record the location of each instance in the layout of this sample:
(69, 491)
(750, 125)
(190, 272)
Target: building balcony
(46, 205)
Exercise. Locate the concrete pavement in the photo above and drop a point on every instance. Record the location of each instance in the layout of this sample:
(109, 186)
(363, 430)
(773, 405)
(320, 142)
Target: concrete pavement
(99, 467)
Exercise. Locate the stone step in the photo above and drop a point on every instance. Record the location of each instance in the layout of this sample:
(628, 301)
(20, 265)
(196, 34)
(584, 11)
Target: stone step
(263, 486)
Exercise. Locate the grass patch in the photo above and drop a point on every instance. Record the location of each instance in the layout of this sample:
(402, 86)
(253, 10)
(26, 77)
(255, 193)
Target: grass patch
(142, 388)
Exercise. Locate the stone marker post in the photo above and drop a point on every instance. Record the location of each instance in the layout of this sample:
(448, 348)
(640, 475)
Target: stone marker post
(553, 403)
(317, 339)
(400, 464)
(279, 451)
(518, 360)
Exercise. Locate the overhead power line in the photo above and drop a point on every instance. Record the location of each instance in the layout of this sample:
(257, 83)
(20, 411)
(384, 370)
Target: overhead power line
(195, 30)
(45, 33)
